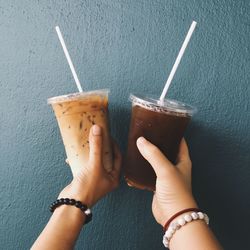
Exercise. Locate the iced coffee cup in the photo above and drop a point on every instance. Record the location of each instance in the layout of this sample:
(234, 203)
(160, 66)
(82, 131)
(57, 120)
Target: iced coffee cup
(161, 122)
(75, 114)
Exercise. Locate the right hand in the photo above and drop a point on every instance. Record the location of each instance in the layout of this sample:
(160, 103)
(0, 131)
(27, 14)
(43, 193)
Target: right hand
(173, 184)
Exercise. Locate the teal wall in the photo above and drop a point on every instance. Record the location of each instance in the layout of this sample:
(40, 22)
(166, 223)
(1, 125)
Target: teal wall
(127, 46)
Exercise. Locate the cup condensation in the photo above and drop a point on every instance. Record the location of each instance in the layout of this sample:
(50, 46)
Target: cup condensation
(76, 114)
(163, 124)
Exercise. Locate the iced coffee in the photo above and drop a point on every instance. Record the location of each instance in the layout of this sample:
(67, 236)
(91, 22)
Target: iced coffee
(76, 114)
(163, 124)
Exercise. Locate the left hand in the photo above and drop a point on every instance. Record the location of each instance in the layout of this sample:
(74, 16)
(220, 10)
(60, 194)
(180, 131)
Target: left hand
(94, 182)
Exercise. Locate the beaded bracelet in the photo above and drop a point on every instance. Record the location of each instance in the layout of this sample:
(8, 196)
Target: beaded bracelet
(179, 213)
(176, 225)
(72, 202)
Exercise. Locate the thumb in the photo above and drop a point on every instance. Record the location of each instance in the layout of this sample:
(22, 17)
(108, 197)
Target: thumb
(154, 156)
(183, 160)
(183, 155)
(95, 146)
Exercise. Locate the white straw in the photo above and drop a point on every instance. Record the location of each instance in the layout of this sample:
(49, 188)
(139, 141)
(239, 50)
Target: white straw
(78, 84)
(178, 59)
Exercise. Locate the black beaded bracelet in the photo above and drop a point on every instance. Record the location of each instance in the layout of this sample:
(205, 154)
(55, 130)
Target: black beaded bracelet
(72, 202)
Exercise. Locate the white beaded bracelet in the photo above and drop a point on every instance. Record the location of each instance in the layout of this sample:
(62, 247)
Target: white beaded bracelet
(177, 224)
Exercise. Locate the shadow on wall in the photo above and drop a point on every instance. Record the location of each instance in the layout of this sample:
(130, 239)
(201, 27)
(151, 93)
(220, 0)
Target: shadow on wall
(119, 123)
(219, 183)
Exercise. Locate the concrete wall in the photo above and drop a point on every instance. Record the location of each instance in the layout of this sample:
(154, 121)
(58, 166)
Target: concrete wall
(127, 46)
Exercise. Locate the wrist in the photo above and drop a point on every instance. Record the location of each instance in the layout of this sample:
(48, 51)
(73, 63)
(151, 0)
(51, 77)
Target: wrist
(72, 213)
(177, 207)
(77, 192)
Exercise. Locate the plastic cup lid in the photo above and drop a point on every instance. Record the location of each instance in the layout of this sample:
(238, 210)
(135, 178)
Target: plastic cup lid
(168, 105)
(76, 96)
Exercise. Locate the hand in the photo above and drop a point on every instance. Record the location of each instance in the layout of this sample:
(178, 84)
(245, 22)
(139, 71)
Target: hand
(93, 182)
(173, 184)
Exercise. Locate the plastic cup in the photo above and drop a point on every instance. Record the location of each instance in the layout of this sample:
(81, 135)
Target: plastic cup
(161, 122)
(75, 114)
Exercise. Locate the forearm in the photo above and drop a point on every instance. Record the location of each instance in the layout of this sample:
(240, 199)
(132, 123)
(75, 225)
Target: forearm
(62, 230)
(195, 235)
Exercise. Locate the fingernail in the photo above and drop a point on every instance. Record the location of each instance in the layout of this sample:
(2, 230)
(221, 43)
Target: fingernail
(96, 130)
(141, 140)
